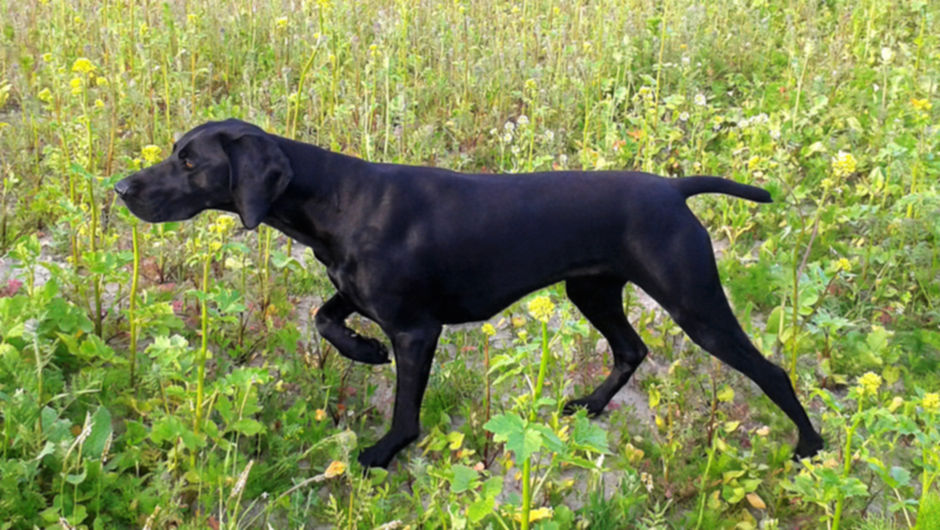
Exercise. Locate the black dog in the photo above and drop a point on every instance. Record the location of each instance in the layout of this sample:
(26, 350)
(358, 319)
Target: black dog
(413, 248)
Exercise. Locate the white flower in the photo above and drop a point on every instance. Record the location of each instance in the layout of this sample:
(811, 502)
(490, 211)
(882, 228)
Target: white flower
(887, 54)
(700, 99)
(509, 126)
(684, 116)
(522, 120)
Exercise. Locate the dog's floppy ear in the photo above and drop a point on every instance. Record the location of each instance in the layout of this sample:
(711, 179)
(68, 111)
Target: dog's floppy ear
(259, 174)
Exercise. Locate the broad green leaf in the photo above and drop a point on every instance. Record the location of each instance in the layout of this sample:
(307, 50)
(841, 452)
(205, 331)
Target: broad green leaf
(589, 436)
(480, 509)
(100, 431)
(464, 478)
(248, 426)
(901, 476)
(503, 425)
(166, 429)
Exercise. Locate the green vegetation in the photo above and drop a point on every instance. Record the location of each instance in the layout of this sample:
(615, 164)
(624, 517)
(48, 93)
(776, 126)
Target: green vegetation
(170, 376)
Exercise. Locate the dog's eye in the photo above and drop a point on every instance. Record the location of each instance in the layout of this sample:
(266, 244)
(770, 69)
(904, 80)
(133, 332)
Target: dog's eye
(188, 164)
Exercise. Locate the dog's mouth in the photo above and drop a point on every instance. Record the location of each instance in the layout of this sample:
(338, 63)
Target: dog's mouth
(144, 211)
(154, 211)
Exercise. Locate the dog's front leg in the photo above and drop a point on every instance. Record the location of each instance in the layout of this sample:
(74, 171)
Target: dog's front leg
(414, 352)
(331, 323)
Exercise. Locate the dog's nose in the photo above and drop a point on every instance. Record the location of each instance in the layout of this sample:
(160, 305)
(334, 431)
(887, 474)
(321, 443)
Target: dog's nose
(122, 187)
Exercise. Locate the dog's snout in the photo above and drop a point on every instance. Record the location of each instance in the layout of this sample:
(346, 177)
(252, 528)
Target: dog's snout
(122, 187)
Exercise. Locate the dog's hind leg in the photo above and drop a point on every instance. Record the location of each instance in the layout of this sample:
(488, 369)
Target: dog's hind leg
(700, 307)
(331, 323)
(600, 300)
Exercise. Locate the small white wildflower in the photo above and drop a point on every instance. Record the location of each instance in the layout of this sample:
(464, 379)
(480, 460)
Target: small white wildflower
(493, 131)
(700, 99)
(509, 126)
(684, 116)
(507, 137)
(549, 135)
(522, 120)
(775, 134)
(887, 54)
(686, 60)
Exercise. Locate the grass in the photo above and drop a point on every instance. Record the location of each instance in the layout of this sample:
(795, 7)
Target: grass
(170, 375)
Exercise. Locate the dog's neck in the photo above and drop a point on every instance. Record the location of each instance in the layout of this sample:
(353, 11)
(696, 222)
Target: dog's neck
(323, 178)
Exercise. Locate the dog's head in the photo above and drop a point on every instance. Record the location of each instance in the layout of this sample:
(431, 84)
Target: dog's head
(228, 165)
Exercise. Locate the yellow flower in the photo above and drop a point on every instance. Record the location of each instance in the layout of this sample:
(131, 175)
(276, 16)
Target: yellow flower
(921, 104)
(931, 402)
(99, 103)
(223, 225)
(76, 84)
(47, 57)
(151, 153)
(843, 164)
(488, 329)
(101, 81)
(844, 265)
(869, 383)
(192, 18)
(541, 308)
(536, 514)
(83, 65)
(280, 22)
(45, 95)
(633, 454)
(895, 403)
(336, 469)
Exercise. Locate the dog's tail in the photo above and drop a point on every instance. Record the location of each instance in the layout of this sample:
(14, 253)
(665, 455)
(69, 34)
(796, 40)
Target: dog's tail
(689, 186)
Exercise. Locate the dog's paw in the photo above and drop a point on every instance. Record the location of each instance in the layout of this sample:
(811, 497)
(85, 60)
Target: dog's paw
(380, 454)
(366, 350)
(373, 351)
(593, 409)
(807, 447)
(374, 456)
